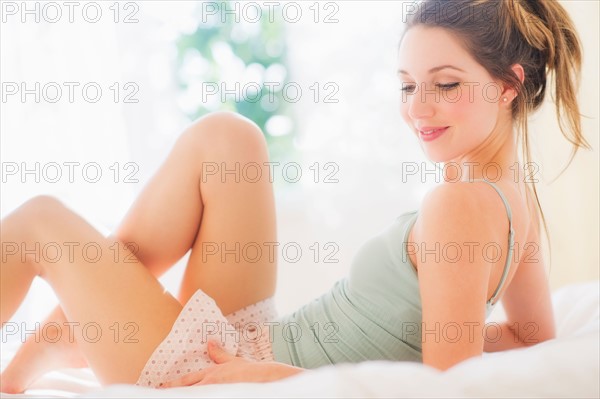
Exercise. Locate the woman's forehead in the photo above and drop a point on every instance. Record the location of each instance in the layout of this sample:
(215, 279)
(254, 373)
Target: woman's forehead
(424, 50)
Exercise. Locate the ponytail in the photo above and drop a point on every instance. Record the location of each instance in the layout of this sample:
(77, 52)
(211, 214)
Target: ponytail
(547, 27)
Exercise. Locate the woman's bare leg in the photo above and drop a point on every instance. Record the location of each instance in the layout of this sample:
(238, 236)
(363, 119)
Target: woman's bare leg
(209, 180)
(121, 311)
(237, 214)
(150, 221)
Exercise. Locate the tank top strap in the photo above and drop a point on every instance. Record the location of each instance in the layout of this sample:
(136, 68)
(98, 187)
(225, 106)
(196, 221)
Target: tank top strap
(511, 242)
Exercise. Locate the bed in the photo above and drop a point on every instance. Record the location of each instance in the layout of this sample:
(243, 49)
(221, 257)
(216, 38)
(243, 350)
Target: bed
(567, 366)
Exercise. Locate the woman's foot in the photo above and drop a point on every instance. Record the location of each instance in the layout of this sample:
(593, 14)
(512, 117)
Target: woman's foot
(34, 359)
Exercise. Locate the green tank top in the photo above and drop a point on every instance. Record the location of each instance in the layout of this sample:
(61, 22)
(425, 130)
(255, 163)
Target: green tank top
(374, 313)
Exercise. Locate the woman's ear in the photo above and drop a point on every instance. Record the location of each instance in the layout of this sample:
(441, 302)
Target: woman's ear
(519, 71)
(510, 93)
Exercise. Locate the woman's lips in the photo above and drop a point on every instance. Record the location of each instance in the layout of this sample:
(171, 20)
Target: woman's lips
(433, 135)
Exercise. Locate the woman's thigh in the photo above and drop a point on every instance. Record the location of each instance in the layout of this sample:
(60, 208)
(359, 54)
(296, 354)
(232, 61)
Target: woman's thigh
(234, 255)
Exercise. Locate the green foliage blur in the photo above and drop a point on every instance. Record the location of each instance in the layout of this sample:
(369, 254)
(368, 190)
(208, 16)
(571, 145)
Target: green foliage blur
(220, 54)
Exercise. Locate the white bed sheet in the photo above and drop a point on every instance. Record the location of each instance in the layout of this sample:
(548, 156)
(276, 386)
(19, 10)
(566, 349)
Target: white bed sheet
(568, 366)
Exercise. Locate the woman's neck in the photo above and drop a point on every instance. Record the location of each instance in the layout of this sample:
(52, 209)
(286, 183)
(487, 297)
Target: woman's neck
(495, 159)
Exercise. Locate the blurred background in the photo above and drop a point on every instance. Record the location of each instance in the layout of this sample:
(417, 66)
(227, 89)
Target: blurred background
(119, 82)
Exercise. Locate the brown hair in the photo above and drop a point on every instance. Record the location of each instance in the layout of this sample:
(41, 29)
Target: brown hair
(539, 35)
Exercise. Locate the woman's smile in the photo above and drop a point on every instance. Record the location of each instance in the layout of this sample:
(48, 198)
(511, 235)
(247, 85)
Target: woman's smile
(431, 133)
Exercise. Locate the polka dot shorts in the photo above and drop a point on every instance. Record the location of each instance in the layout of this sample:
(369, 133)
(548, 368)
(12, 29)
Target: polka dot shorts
(245, 332)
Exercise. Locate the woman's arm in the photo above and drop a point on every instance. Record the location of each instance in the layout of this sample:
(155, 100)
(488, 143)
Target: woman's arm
(527, 302)
(454, 285)
(453, 288)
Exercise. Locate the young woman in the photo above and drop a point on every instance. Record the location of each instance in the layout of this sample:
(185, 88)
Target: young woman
(471, 73)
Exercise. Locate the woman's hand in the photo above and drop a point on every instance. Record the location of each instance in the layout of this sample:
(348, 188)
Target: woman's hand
(230, 369)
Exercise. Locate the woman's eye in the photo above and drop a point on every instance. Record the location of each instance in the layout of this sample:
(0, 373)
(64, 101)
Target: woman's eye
(407, 87)
(448, 86)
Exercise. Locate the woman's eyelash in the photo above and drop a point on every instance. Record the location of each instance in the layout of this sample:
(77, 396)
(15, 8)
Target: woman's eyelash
(448, 86)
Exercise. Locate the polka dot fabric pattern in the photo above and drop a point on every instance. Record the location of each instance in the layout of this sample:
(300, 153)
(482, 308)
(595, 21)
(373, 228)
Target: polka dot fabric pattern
(244, 332)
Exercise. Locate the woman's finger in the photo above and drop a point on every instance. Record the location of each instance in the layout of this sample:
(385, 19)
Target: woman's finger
(203, 381)
(217, 353)
(188, 379)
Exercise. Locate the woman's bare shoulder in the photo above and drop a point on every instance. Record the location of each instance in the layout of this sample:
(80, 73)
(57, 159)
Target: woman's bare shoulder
(461, 210)
(465, 198)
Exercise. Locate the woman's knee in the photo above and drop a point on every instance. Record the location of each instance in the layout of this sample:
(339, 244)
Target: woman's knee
(41, 205)
(225, 130)
(33, 224)
(41, 211)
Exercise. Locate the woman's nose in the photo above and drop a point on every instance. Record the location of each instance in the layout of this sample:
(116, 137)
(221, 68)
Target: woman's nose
(422, 103)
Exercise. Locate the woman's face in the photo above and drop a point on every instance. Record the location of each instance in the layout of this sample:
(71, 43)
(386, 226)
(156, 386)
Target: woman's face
(463, 97)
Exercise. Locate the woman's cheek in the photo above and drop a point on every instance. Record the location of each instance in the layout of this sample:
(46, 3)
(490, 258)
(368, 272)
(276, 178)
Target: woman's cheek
(471, 112)
(464, 104)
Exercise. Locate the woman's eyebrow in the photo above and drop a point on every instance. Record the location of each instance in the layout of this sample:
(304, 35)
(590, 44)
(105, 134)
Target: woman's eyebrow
(434, 69)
